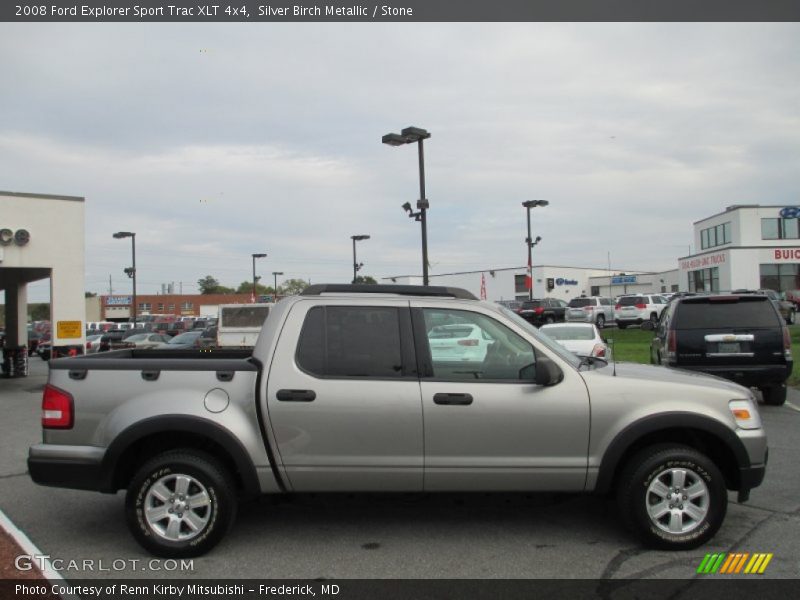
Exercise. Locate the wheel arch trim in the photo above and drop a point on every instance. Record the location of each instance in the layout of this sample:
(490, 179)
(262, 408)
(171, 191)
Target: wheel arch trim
(635, 431)
(178, 424)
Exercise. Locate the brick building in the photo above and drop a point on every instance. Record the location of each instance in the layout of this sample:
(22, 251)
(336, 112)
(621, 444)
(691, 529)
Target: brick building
(118, 306)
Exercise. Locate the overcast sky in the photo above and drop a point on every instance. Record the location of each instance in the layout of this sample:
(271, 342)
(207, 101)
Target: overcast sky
(216, 141)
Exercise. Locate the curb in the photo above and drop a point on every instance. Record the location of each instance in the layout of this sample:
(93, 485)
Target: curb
(29, 548)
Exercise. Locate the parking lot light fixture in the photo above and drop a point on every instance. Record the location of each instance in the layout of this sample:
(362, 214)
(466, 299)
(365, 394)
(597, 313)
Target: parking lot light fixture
(356, 265)
(529, 204)
(131, 271)
(255, 279)
(275, 276)
(409, 135)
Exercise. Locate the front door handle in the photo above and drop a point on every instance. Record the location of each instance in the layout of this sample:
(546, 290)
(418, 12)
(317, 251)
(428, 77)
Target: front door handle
(296, 395)
(453, 399)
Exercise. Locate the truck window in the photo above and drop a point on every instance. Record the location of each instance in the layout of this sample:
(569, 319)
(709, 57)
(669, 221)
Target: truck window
(243, 316)
(351, 341)
(738, 312)
(487, 351)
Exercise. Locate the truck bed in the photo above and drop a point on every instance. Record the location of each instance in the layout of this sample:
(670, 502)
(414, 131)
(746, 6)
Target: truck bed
(213, 359)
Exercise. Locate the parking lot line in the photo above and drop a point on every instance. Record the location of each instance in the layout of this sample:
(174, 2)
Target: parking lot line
(792, 406)
(24, 542)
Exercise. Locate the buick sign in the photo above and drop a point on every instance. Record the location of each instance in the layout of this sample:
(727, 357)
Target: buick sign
(790, 212)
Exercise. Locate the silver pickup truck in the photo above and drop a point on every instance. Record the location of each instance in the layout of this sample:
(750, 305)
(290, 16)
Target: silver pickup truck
(393, 389)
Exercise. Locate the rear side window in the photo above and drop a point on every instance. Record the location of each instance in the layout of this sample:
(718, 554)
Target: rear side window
(581, 302)
(726, 314)
(632, 300)
(351, 341)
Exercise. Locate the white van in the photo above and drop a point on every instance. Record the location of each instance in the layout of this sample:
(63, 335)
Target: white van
(239, 324)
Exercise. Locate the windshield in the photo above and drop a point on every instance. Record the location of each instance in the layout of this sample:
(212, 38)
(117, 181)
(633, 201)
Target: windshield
(551, 345)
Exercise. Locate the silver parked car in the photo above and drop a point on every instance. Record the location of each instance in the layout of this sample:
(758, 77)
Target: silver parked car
(591, 309)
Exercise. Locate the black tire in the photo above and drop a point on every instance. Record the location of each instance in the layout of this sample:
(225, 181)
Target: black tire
(654, 320)
(601, 321)
(656, 465)
(216, 509)
(791, 318)
(621, 325)
(549, 319)
(774, 395)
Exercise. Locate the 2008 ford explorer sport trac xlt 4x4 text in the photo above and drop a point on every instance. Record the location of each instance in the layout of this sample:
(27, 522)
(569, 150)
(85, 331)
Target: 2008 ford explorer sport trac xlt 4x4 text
(348, 389)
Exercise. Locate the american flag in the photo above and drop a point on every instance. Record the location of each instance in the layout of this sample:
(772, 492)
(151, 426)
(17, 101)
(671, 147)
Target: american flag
(483, 286)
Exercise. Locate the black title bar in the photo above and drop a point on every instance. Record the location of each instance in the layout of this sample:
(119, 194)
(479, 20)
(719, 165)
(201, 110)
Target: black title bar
(398, 10)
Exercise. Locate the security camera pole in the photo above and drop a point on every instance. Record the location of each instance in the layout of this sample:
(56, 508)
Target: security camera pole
(408, 136)
(356, 265)
(529, 204)
(130, 272)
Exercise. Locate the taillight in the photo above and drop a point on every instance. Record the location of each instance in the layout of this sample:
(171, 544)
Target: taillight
(467, 342)
(641, 306)
(588, 308)
(88, 345)
(599, 350)
(617, 306)
(787, 344)
(539, 310)
(672, 345)
(57, 408)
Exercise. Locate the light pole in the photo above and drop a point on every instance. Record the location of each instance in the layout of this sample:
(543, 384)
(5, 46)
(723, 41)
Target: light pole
(275, 275)
(529, 204)
(255, 279)
(356, 265)
(130, 271)
(410, 135)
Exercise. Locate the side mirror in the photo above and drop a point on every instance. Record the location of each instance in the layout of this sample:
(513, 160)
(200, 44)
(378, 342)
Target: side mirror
(547, 372)
(648, 326)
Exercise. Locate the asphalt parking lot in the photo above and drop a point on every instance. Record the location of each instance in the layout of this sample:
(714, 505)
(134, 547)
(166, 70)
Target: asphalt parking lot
(400, 536)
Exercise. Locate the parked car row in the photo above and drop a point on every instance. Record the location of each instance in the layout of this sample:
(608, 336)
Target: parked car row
(629, 309)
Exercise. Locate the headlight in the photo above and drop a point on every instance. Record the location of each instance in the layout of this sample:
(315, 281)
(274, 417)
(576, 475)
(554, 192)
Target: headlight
(745, 413)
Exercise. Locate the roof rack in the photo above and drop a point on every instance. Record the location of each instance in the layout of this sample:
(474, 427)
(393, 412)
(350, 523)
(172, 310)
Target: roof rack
(404, 290)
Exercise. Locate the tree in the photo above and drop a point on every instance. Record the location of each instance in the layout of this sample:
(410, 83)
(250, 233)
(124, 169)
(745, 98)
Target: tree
(90, 294)
(210, 285)
(292, 287)
(207, 284)
(366, 279)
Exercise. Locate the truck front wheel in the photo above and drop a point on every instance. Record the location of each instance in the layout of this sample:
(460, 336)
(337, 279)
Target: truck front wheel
(673, 497)
(180, 504)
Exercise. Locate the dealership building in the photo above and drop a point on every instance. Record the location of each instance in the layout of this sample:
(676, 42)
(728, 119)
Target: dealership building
(746, 246)
(41, 237)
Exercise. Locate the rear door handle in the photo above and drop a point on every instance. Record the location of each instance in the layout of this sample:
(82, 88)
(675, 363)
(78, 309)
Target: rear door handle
(453, 399)
(296, 395)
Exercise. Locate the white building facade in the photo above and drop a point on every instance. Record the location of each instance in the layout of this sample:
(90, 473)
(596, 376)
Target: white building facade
(42, 237)
(550, 281)
(744, 247)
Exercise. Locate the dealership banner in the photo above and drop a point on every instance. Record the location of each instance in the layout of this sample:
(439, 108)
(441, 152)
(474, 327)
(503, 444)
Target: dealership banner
(400, 10)
(745, 587)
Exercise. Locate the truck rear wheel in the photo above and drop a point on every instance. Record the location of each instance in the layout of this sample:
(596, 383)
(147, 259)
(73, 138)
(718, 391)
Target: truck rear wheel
(180, 504)
(672, 497)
